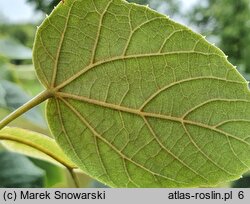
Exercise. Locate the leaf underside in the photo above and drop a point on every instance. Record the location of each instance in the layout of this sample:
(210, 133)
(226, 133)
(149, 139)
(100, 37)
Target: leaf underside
(139, 100)
(34, 145)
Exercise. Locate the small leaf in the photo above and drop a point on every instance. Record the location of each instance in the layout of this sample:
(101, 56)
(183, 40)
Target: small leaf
(34, 145)
(139, 100)
(17, 171)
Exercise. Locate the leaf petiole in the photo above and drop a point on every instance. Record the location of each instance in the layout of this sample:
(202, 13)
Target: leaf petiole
(26, 107)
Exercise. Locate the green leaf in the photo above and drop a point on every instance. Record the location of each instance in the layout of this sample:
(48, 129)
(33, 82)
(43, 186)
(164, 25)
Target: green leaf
(34, 145)
(22, 122)
(12, 97)
(17, 171)
(139, 100)
(55, 176)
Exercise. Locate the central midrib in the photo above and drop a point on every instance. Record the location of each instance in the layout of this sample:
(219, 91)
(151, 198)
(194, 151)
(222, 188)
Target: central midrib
(148, 114)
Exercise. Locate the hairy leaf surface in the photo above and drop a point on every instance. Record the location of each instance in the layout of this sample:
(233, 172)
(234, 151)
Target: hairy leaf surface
(139, 100)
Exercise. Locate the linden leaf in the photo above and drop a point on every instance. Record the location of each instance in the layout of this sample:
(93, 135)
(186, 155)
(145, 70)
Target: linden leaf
(139, 100)
(34, 145)
(17, 171)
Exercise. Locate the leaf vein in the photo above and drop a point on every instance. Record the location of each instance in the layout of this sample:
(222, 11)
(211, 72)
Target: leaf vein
(90, 66)
(203, 153)
(99, 32)
(55, 68)
(113, 147)
(231, 120)
(154, 95)
(211, 101)
(235, 154)
(137, 28)
(65, 132)
(141, 113)
(169, 152)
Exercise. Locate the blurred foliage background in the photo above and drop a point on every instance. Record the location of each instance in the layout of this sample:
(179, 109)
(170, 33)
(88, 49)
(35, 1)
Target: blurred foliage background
(225, 23)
